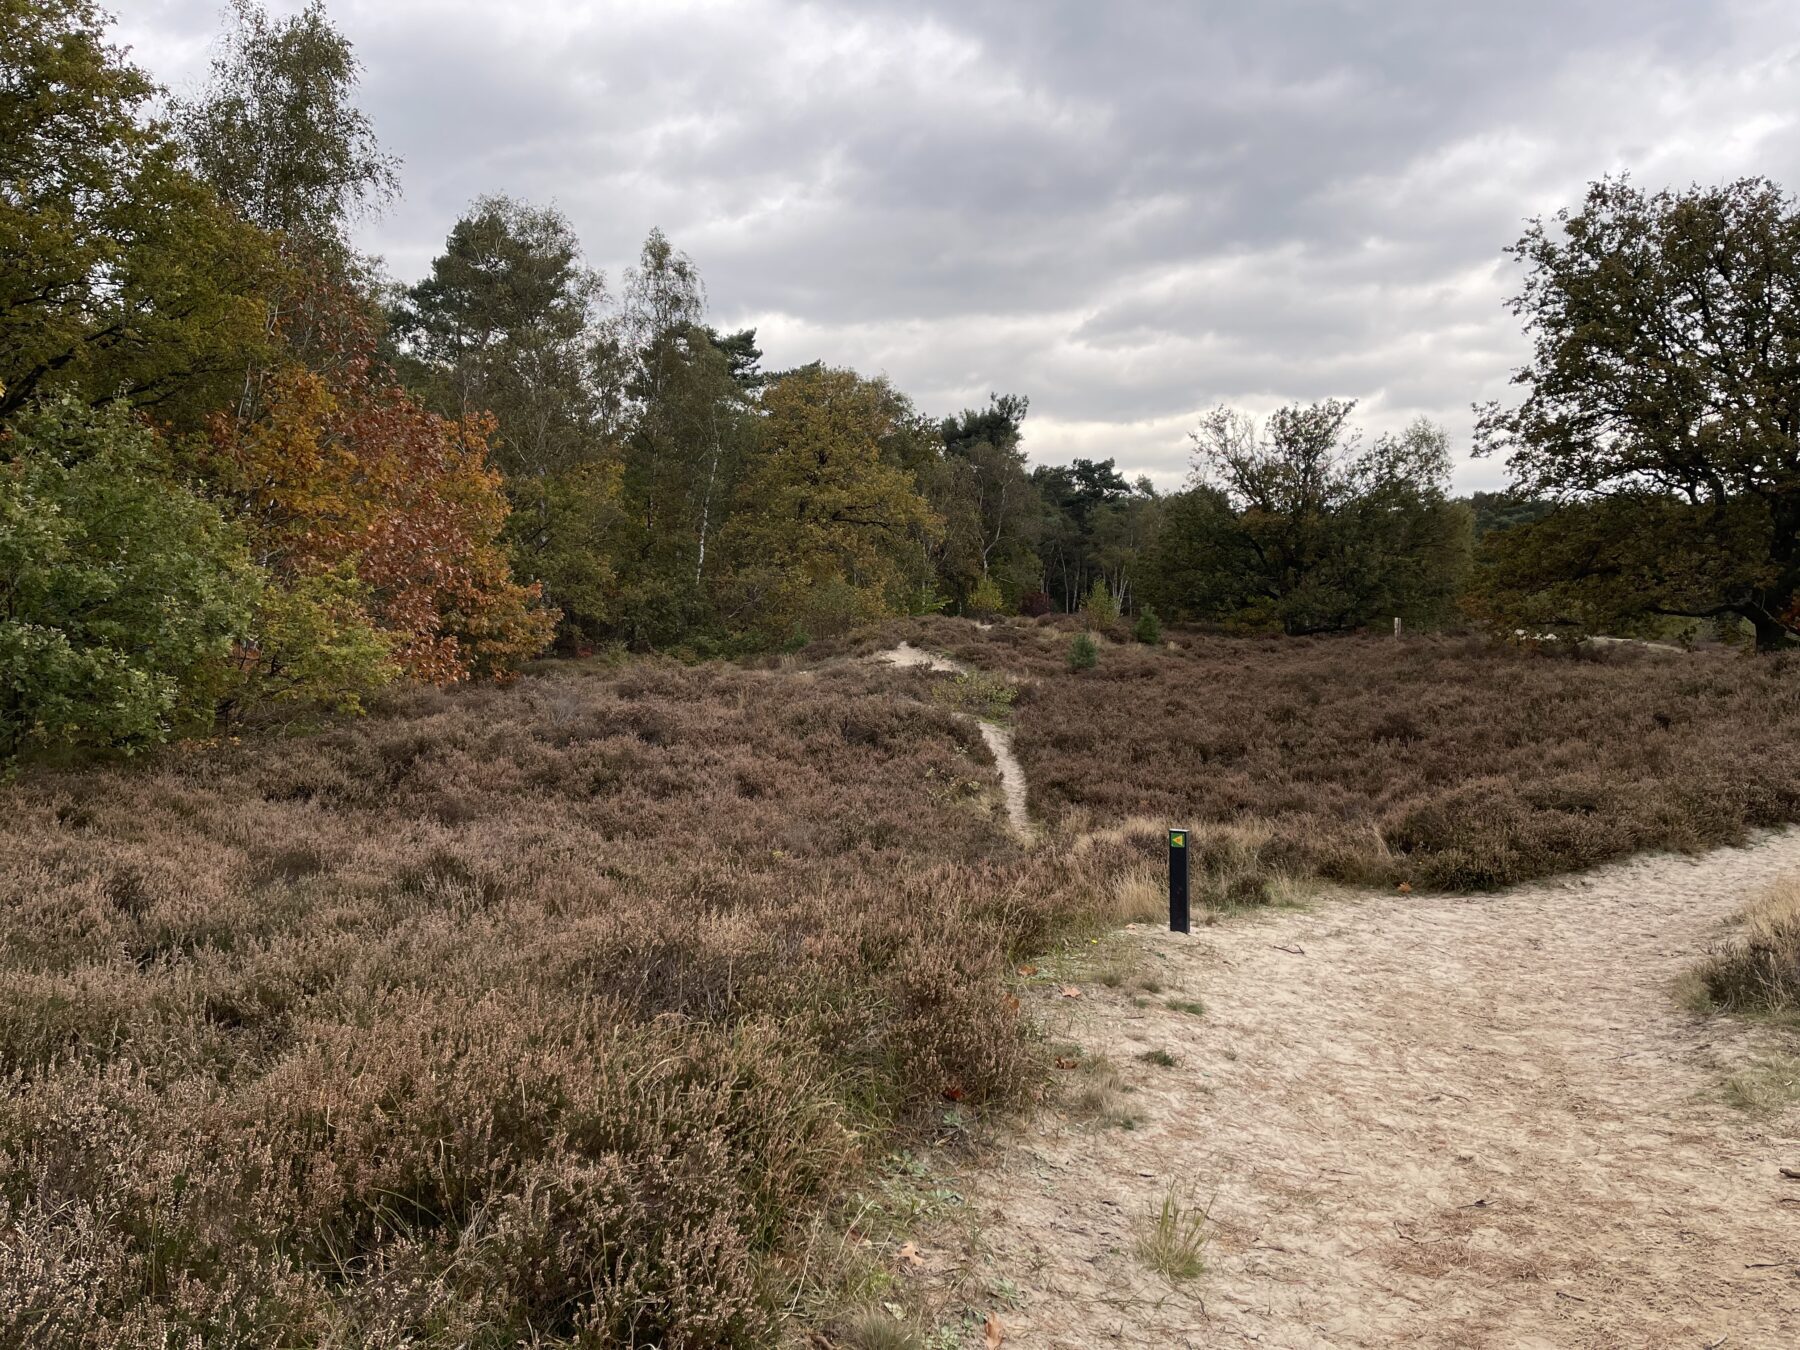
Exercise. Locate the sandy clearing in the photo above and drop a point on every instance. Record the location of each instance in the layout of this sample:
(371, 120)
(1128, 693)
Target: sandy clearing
(1443, 1121)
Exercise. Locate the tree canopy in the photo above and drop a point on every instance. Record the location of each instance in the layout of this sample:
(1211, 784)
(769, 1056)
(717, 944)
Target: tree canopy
(278, 134)
(1665, 372)
(336, 480)
(121, 274)
(826, 530)
(1298, 525)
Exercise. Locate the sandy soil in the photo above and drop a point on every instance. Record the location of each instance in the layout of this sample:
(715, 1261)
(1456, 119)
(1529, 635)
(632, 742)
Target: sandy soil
(998, 738)
(1418, 1121)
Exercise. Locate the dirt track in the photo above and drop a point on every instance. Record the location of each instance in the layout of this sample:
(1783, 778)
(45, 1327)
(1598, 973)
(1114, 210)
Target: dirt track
(1439, 1121)
(997, 738)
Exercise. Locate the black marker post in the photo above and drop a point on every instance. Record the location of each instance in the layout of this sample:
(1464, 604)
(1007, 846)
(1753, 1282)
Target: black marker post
(1178, 881)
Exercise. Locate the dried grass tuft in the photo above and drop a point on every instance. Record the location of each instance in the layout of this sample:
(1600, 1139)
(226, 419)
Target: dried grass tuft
(1757, 968)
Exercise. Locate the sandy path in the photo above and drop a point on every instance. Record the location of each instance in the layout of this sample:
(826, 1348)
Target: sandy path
(1443, 1122)
(998, 738)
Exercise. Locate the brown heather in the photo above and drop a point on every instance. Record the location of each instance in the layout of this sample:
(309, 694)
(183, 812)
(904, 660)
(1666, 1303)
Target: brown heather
(544, 1014)
(1439, 762)
(555, 1014)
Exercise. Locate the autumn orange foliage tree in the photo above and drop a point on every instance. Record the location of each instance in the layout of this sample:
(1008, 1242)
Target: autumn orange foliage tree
(342, 474)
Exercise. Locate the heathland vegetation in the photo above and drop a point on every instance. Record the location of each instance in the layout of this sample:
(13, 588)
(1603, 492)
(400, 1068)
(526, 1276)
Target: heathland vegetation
(572, 1006)
(1440, 762)
(575, 1009)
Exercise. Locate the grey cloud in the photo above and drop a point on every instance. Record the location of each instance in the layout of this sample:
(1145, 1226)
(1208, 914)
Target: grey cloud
(1129, 211)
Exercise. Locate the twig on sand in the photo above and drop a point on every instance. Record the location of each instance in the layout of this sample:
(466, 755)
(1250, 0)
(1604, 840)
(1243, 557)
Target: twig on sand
(1284, 947)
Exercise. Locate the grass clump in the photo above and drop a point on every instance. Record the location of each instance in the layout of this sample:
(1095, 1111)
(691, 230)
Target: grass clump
(1101, 1094)
(1766, 1087)
(1192, 1006)
(1757, 969)
(1172, 1240)
(1139, 895)
(989, 697)
(877, 1329)
(1159, 1057)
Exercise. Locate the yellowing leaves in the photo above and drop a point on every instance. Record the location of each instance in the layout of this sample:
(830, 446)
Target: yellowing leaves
(347, 471)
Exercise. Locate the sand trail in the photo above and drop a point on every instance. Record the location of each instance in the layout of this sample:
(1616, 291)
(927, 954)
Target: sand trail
(1420, 1120)
(998, 738)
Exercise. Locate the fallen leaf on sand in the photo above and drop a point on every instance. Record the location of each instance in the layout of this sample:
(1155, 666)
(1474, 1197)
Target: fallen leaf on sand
(1010, 1003)
(993, 1332)
(909, 1254)
(1405, 888)
(1065, 1062)
(1027, 971)
(1070, 991)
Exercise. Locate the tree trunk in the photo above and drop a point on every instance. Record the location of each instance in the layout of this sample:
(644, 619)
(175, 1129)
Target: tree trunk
(1771, 634)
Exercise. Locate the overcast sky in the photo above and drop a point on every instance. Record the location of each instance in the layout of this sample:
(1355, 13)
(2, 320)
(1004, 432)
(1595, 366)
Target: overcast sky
(1129, 211)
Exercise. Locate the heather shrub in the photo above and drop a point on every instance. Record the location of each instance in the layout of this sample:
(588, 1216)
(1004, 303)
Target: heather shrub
(1035, 604)
(1445, 763)
(543, 1013)
(553, 1013)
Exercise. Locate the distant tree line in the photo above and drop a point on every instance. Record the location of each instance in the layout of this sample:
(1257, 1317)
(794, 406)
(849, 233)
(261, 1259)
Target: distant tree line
(238, 467)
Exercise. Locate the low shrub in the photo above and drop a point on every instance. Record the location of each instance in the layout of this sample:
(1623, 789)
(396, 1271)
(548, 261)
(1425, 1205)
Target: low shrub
(1100, 608)
(1083, 654)
(123, 595)
(1441, 763)
(548, 1014)
(986, 600)
(1757, 969)
(978, 694)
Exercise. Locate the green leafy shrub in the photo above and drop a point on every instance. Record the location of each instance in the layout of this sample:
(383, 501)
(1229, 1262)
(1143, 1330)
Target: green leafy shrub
(124, 594)
(1101, 607)
(1083, 653)
(978, 693)
(985, 601)
(1148, 628)
(315, 644)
